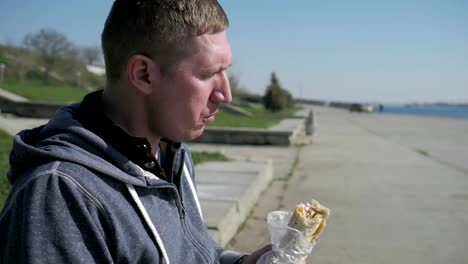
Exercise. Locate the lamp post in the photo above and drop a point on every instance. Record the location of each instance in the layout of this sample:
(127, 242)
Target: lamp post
(2, 71)
(78, 78)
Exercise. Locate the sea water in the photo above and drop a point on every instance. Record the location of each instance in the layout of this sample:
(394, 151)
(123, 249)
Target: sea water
(437, 110)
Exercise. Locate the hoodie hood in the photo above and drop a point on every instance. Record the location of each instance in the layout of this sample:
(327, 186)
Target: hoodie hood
(63, 138)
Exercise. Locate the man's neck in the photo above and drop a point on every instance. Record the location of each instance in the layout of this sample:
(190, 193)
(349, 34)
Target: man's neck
(129, 116)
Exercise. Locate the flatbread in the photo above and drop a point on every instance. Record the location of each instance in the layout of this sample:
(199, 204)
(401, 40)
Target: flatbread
(310, 219)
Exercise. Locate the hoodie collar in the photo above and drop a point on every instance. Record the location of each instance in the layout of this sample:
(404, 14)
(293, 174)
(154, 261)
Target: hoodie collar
(138, 150)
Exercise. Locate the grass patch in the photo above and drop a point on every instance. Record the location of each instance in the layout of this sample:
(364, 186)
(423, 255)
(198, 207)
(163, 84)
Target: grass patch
(5, 147)
(45, 91)
(261, 118)
(24, 75)
(203, 156)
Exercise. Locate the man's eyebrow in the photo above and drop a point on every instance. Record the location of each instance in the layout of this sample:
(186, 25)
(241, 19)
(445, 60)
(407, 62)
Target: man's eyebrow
(217, 68)
(226, 67)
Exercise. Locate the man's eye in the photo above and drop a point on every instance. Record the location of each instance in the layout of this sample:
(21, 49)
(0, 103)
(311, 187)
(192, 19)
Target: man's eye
(208, 75)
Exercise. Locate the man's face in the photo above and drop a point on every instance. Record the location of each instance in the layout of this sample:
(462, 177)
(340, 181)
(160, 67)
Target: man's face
(188, 100)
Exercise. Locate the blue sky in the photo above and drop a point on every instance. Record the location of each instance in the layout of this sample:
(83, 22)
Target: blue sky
(389, 51)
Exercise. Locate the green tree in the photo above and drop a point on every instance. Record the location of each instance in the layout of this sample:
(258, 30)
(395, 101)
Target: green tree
(275, 98)
(289, 98)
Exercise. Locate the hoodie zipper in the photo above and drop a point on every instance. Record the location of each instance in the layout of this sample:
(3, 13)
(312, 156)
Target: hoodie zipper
(182, 212)
(178, 200)
(180, 172)
(186, 229)
(194, 241)
(183, 221)
(180, 206)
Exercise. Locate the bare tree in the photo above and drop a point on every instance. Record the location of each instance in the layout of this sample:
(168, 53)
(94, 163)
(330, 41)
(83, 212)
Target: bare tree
(91, 54)
(50, 44)
(73, 63)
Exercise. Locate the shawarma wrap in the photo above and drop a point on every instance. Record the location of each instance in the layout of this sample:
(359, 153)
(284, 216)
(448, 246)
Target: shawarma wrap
(310, 219)
(294, 234)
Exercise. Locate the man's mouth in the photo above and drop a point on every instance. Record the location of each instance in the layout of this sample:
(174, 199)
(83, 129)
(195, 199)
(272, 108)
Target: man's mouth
(209, 119)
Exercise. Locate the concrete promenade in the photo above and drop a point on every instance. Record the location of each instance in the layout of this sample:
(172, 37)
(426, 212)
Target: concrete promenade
(397, 187)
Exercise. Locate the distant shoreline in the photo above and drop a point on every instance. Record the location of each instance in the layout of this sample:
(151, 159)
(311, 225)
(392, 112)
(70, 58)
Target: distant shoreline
(454, 111)
(434, 104)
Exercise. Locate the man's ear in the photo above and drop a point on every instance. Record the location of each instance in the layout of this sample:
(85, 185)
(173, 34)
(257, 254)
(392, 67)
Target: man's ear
(142, 73)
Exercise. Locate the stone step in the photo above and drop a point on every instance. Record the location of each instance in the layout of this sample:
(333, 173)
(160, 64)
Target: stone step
(228, 191)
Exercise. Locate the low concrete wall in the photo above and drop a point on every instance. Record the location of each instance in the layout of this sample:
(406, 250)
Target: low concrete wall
(29, 109)
(292, 130)
(244, 136)
(17, 105)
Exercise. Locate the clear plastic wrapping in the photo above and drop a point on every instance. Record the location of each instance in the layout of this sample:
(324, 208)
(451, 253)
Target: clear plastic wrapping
(289, 246)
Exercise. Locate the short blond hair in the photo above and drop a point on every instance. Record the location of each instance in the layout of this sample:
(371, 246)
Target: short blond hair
(159, 29)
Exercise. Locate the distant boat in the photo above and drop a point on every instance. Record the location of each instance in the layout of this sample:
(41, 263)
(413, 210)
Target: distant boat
(365, 108)
(368, 108)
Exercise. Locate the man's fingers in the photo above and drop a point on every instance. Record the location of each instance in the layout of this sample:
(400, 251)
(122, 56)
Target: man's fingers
(252, 258)
(262, 251)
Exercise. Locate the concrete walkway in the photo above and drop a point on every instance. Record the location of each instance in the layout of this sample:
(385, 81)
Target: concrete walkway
(13, 124)
(397, 187)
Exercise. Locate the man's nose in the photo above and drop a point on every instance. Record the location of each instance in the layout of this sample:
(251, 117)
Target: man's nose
(227, 89)
(222, 93)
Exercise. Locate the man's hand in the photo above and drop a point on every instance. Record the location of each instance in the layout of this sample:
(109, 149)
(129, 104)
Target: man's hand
(252, 258)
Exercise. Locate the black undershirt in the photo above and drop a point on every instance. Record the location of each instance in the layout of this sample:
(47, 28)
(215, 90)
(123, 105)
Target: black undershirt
(138, 150)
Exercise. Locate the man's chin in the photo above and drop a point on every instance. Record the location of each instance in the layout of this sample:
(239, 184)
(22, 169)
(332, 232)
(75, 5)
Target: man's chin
(196, 133)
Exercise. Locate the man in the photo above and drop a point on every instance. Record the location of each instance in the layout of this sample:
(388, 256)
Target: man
(107, 180)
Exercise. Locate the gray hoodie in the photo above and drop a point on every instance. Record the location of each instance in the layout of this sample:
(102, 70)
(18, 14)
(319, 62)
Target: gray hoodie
(75, 199)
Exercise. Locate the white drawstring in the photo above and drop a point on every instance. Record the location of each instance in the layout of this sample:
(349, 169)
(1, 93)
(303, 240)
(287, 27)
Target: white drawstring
(148, 221)
(146, 217)
(192, 188)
